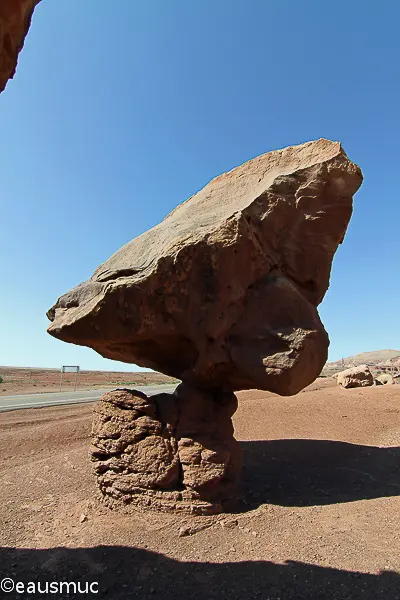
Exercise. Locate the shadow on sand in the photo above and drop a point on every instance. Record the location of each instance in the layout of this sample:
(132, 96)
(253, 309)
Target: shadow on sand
(287, 472)
(123, 572)
(310, 472)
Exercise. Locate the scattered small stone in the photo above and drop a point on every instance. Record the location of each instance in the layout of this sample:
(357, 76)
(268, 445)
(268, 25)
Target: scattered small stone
(184, 531)
(83, 518)
(229, 523)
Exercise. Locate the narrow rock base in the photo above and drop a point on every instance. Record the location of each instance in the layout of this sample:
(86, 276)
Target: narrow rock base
(170, 452)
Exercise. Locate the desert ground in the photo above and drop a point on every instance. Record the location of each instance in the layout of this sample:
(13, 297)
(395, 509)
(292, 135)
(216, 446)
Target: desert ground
(319, 516)
(18, 380)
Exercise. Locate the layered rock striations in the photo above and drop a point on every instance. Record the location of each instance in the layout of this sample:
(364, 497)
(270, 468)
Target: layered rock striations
(223, 293)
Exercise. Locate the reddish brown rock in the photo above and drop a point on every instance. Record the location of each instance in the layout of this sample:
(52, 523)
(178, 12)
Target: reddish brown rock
(223, 293)
(15, 19)
(170, 452)
(359, 376)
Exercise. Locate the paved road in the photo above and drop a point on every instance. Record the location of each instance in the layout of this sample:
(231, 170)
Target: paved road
(79, 397)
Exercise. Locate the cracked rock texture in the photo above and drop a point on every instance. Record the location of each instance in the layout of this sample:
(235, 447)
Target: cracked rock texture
(15, 19)
(169, 452)
(223, 293)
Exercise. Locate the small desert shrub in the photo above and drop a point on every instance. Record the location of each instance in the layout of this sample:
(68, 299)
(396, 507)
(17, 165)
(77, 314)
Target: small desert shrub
(1, 379)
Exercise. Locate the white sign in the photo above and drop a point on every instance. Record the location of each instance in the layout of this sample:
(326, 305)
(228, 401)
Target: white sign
(69, 369)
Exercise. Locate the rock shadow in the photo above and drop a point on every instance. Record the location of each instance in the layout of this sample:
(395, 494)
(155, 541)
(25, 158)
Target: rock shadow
(125, 572)
(303, 472)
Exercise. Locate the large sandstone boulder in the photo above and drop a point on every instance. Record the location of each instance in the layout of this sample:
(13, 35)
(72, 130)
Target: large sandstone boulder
(385, 379)
(223, 293)
(359, 376)
(15, 19)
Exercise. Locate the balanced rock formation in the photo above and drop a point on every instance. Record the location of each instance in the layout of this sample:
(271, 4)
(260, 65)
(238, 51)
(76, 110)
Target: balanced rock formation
(359, 376)
(223, 294)
(15, 19)
(169, 452)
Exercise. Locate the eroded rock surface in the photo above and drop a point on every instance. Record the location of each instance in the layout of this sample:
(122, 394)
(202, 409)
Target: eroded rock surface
(385, 379)
(170, 452)
(15, 19)
(359, 376)
(223, 293)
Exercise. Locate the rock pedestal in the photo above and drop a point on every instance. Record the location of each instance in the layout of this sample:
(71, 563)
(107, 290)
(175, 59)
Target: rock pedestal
(168, 451)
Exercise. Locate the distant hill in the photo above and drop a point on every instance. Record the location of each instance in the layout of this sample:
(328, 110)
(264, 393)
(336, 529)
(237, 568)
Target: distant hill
(373, 358)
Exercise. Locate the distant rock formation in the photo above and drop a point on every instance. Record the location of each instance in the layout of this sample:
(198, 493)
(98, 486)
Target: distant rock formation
(359, 376)
(15, 19)
(223, 294)
(385, 379)
(375, 359)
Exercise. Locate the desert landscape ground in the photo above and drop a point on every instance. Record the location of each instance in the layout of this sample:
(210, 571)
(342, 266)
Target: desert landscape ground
(319, 516)
(32, 380)
(18, 380)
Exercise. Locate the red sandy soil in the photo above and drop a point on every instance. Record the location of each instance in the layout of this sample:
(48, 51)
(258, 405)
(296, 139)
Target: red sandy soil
(33, 381)
(320, 516)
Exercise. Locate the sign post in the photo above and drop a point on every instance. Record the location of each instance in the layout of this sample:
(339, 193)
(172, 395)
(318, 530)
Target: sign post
(69, 369)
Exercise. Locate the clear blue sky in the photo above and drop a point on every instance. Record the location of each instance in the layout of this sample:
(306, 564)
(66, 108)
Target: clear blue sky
(121, 110)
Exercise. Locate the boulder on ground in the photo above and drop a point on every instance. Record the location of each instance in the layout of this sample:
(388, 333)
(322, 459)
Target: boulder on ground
(385, 379)
(359, 376)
